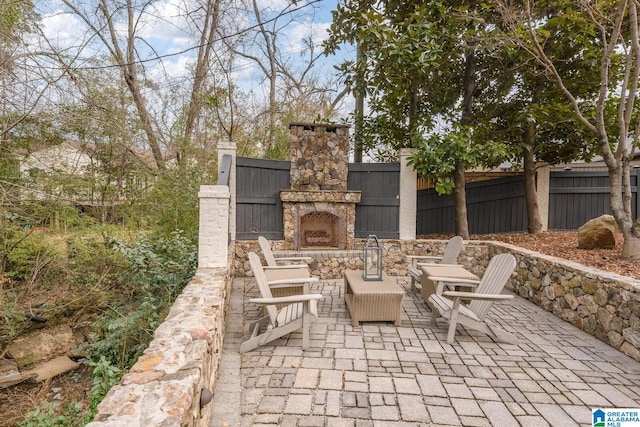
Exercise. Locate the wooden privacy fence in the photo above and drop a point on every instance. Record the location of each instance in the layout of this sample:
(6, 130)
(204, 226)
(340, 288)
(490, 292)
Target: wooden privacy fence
(378, 211)
(259, 208)
(493, 206)
(575, 197)
(258, 205)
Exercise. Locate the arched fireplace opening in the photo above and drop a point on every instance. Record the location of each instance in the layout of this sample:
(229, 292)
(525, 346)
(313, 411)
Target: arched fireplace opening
(320, 229)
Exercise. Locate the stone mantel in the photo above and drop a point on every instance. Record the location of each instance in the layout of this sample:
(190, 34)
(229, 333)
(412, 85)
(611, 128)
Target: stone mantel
(313, 196)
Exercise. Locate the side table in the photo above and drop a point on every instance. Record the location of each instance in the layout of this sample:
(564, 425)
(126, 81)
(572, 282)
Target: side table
(453, 271)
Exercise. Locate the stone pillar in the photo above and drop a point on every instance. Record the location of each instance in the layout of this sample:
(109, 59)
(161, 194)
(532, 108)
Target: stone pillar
(229, 147)
(408, 197)
(213, 236)
(542, 192)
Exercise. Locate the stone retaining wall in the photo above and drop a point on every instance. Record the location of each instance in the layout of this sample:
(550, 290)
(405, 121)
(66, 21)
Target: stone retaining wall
(605, 305)
(171, 382)
(331, 264)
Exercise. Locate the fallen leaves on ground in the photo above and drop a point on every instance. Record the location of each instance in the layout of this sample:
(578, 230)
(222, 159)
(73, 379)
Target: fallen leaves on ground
(564, 244)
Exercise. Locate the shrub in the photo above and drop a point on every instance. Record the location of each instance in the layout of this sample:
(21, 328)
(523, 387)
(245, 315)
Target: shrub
(158, 268)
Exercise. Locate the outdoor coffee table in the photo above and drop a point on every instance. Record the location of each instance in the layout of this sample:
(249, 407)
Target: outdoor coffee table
(372, 300)
(452, 271)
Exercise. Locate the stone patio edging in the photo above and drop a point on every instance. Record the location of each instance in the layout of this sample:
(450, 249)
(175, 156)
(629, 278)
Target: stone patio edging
(172, 382)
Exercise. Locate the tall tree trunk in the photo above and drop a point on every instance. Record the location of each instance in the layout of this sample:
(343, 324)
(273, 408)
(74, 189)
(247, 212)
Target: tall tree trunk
(460, 202)
(152, 140)
(359, 110)
(207, 37)
(127, 63)
(413, 113)
(630, 246)
(620, 204)
(534, 223)
(270, 71)
(459, 192)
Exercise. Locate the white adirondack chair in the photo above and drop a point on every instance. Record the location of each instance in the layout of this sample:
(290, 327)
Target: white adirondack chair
(450, 256)
(274, 262)
(295, 313)
(489, 290)
(284, 268)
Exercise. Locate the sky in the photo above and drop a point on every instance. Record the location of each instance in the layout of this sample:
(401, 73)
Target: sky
(167, 36)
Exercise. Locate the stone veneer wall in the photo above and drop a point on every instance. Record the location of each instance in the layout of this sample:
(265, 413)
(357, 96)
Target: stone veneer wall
(331, 264)
(319, 156)
(603, 304)
(179, 368)
(296, 204)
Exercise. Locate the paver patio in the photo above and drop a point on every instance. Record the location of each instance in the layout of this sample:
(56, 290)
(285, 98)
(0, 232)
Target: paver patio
(377, 374)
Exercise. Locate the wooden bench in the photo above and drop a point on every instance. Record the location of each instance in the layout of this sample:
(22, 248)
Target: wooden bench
(375, 300)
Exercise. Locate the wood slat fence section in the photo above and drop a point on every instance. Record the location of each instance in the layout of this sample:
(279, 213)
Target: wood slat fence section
(379, 210)
(259, 208)
(258, 204)
(576, 197)
(494, 206)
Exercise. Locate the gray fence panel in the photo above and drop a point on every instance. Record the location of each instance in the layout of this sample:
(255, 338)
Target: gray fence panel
(576, 197)
(258, 204)
(495, 206)
(378, 211)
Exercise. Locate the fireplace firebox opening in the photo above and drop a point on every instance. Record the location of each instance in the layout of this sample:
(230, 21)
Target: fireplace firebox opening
(320, 229)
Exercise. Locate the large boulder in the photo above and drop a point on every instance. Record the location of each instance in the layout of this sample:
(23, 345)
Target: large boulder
(598, 233)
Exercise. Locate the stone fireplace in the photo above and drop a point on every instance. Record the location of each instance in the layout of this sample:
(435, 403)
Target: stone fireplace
(319, 211)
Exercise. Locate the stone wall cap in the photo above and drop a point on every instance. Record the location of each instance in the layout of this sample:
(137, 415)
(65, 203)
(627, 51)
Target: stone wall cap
(214, 191)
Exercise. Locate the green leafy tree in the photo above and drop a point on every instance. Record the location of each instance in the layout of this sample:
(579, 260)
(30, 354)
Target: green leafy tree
(614, 24)
(422, 66)
(526, 111)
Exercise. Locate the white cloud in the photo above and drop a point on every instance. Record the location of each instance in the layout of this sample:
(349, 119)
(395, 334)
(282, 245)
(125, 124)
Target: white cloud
(298, 34)
(273, 5)
(63, 30)
(175, 68)
(167, 23)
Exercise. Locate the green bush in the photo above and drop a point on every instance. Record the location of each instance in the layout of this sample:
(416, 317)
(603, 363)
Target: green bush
(173, 203)
(158, 268)
(31, 259)
(12, 316)
(47, 415)
(92, 258)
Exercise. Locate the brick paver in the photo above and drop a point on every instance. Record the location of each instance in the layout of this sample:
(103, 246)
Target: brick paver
(377, 374)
